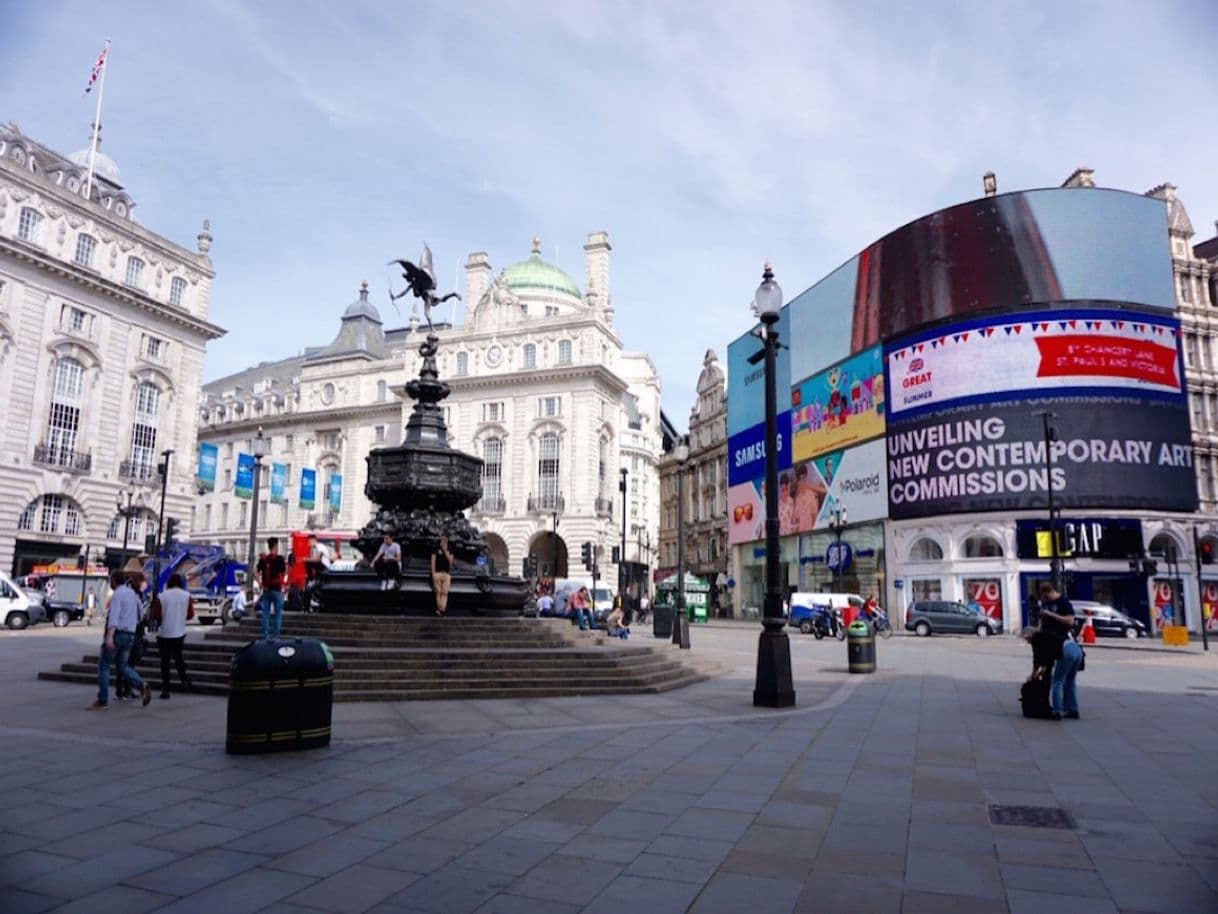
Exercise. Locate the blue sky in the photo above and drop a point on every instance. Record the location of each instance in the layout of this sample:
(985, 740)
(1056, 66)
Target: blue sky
(323, 139)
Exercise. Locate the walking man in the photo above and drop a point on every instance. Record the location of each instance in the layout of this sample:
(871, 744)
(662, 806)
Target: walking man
(171, 610)
(271, 571)
(120, 635)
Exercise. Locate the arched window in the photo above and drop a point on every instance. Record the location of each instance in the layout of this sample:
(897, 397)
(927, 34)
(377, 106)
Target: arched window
(29, 226)
(85, 246)
(564, 352)
(925, 549)
(54, 514)
(492, 474)
(530, 355)
(143, 432)
(63, 424)
(462, 363)
(177, 288)
(547, 471)
(1164, 545)
(980, 546)
(135, 272)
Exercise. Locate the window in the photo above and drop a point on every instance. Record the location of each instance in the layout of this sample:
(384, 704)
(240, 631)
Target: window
(52, 505)
(228, 450)
(64, 421)
(547, 471)
(135, 271)
(549, 406)
(74, 319)
(492, 472)
(228, 478)
(981, 546)
(154, 347)
(29, 228)
(492, 412)
(925, 550)
(241, 521)
(224, 516)
(177, 288)
(462, 363)
(1186, 290)
(112, 530)
(143, 431)
(207, 517)
(378, 434)
(382, 391)
(85, 246)
(26, 520)
(530, 355)
(551, 311)
(329, 440)
(564, 352)
(71, 521)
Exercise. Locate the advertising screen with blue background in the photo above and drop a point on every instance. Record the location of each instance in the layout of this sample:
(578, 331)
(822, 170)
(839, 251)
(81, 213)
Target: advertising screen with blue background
(746, 383)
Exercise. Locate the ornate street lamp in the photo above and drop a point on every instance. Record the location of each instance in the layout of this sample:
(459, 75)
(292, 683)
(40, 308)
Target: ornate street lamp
(680, 623)
(1055, 562)
(773, 687)
(621, 565)
(837, 523)
(259, 452)
(129, 505)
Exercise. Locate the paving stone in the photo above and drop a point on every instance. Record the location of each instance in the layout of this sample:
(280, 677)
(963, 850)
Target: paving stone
(682, 869)
(27, 864)
(507, 855)
(250, 891)
(567, 879)
(1059, 880)
(576, 810)
(474, 826)
(418, 855)
(827, 892)
(117, 899)
(913, 902)
(197, 837)
(283, 837)
(1025, 902)
(884, 839)
(354, 889)
(717, 824)
(731, 893)
(1040, 852)
(855, 863)
(327, 856)
(766, 863)
(86, 877)
(515, 904)
(632, 824)
(636, 893)
(451, 889)
(17, 901)
(1156, 887)
(974, 875)
(973, 839)
(191, 874)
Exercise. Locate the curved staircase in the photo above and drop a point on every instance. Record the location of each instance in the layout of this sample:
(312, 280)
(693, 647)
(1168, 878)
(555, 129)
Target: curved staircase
(412, 659)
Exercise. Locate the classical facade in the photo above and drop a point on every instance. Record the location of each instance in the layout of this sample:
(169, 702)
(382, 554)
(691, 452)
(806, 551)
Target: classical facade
(705, 490)
(542, 390)
(103, 325)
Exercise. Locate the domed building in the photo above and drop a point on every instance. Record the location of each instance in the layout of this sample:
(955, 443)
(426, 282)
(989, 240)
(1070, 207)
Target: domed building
(543, 390)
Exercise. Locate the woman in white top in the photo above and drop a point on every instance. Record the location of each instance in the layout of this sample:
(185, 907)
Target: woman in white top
(172, 608)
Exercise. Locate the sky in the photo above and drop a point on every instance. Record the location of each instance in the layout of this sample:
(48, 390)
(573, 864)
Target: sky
(323, 139)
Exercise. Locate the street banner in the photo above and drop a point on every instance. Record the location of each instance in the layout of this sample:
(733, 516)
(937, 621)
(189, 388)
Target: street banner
(308, 489)
(244, 487)
(336, 492)
(208, 457)
(279, 483)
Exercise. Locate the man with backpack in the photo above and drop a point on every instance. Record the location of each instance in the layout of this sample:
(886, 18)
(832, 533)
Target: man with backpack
(272, 569)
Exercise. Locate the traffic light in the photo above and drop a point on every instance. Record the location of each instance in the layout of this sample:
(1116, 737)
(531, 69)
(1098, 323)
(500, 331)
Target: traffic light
(585, 552)
(1207, 552)
(171, 531)
(617, 555)
(149, 543)
(1150, 567)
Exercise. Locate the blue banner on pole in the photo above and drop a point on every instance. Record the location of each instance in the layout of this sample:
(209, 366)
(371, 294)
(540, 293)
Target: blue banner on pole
(244, 487)
(279, 483)
(308, 489)
(336, 492)
(208, 456)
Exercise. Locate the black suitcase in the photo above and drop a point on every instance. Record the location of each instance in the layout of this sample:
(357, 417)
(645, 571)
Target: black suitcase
(1034, 695)
(280, 696)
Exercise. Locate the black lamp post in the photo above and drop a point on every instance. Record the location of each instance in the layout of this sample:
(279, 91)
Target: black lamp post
(259, 453)
(129, 505)
(554, 548)
(774, 687)
(1055, 563)
(621, 565)
(680, 624)
(837, 523)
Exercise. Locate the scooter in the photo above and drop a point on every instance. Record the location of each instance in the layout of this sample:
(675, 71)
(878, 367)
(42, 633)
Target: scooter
(827, 620)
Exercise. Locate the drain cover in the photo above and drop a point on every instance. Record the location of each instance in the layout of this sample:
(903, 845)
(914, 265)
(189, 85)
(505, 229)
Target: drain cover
(1031, 816)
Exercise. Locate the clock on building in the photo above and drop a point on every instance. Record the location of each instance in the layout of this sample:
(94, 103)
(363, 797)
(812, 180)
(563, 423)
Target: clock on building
(494, 355)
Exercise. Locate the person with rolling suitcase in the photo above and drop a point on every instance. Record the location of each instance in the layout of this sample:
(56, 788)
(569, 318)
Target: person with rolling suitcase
(1034, 693)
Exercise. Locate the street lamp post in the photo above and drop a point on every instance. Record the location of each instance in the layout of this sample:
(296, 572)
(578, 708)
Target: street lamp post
(164, 469)
(259, 453)
(838, 521)
(129, 505)
(554, 548)
(621, 566)
(1055, 563)
(680, 624)
(773, 687)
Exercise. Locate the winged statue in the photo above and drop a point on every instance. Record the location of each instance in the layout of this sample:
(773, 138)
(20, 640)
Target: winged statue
(421, 281)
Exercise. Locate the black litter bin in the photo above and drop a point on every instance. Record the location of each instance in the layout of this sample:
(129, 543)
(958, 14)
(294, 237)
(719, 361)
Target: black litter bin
(280, 696)
(661, 621)
(860, 647)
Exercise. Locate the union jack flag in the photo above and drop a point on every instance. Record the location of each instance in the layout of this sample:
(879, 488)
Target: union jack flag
(97, 69)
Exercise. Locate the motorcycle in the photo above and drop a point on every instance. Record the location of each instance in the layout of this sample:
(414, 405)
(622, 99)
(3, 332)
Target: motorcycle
(827, 620)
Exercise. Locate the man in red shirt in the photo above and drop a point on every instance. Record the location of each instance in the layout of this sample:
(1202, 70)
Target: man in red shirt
(272, 569)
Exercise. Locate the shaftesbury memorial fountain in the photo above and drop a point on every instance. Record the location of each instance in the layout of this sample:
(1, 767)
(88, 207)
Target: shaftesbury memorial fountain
(422, 488)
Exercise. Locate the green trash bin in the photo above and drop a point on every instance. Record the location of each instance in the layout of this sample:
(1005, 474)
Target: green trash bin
(860, 647)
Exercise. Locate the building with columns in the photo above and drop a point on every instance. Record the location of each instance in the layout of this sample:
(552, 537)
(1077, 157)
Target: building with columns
(103, 325)
(543, 390)
(704, 515)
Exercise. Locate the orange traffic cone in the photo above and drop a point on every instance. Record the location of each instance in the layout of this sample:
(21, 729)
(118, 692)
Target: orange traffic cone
(1088, 633)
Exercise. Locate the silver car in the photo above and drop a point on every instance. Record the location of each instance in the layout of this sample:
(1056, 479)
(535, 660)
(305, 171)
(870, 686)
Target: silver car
(927, 617)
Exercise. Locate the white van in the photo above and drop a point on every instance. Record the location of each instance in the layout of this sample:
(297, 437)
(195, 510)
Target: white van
(17, 610)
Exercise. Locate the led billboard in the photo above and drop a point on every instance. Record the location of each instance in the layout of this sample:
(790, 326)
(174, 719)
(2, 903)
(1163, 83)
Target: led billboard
(746, 382)
(841, 406)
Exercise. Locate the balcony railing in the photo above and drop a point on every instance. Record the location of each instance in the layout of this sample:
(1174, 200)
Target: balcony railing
(137, 471)
(52, 455)
(547, 503)
(604, 507)
(491, 505)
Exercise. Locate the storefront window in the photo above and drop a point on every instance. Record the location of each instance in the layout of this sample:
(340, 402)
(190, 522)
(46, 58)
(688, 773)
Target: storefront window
(984, 594)
(981, 546)
(926, 550)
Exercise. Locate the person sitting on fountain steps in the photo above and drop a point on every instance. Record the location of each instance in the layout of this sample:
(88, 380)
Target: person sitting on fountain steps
(441, 577)
(388, 563)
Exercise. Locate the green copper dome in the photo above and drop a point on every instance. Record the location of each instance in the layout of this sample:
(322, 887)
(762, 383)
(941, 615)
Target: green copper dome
(535, 274)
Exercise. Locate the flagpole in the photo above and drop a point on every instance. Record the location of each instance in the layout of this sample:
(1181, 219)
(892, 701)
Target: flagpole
(101, 88)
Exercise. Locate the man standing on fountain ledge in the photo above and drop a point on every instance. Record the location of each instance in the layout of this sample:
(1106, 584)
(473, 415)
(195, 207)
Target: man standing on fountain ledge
(441, 574)
(271, 571)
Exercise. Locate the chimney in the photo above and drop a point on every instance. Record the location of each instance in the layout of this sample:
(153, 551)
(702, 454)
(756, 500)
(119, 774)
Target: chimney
(477, 278)
(990, 183)
(596, 265)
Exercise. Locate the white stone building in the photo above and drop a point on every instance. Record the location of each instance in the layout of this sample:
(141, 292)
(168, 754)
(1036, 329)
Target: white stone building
(542, 390)
(103, 325)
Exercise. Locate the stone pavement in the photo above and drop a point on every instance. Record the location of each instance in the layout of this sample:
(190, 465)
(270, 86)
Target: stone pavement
(874, 794)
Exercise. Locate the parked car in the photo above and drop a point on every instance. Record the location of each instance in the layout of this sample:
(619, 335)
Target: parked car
(1108, 621)
(926, 617)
